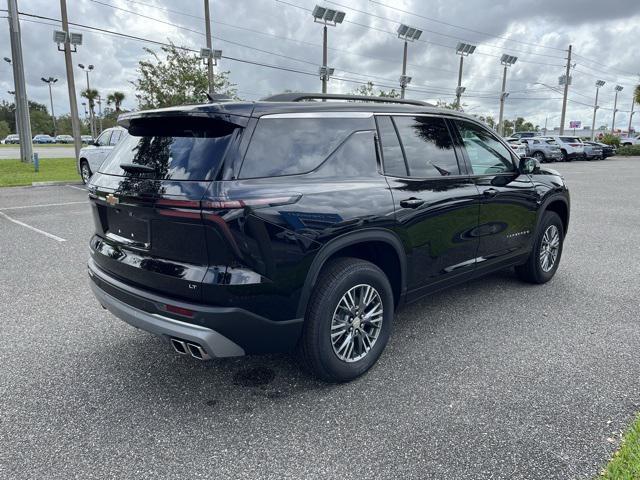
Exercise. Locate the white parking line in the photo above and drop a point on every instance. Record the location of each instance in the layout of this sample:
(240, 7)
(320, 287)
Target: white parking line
(46, 234)
(77, 188)
(41, 205)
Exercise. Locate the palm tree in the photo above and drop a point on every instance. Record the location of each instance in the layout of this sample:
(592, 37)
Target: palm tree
(91, 94)
(116, 98)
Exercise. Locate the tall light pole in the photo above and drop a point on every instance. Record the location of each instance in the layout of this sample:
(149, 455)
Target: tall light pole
(507, 61)
(100, 111)
(70, 40)
(619, 88)
(599, 83)
(92, 122)
(464, 50)
(328, 17)
(207, 27)
(408, 34)
(567, 82)
(15, 112)
(633, 101)
(49, 81)
(22, 104)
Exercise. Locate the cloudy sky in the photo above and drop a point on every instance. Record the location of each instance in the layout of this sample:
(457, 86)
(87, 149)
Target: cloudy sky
(281, 33)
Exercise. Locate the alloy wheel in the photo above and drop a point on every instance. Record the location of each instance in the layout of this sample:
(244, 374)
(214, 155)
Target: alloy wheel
(549, 248)
(85, 172)
(356, 323)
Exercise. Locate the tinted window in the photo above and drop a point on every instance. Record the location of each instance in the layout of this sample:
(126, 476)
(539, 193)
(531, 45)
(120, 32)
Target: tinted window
(486, 154)
(392, 155)
(356, 157)
(115, 136)
(294, 145)
(427, 146)
(570, 139)
(192, 155)
(104, 139)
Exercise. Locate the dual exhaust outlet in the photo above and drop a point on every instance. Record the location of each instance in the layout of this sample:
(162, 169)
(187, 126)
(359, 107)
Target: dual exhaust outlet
(189, 348)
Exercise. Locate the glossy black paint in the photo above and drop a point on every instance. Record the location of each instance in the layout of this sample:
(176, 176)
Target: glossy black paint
(262, 254)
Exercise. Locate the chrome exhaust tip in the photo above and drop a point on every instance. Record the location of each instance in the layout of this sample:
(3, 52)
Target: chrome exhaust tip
(179, 346)
(197, 351)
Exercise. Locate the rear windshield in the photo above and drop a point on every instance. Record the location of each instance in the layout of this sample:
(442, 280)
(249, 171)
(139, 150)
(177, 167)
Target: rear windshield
(570, 139)
(175, 152)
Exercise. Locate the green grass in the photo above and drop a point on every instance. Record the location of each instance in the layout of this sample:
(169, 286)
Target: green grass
(625, 464)
(14, 172)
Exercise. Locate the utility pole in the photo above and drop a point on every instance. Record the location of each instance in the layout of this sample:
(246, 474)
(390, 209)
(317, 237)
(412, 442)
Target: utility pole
(615, 109)
(325, 55)
(459, 88)
(49, 81)
(566, 91)
(507, 61)
(599, 83)
(403, 83)
(22, 104)
(208, 33)
(464, 50)
(407, 34)
(326, 16)
(71, 84)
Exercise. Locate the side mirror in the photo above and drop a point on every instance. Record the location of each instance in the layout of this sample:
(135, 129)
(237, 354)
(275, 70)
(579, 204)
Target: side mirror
(529, 165)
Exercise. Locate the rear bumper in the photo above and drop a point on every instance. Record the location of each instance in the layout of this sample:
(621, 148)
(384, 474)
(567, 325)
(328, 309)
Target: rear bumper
(221, 331)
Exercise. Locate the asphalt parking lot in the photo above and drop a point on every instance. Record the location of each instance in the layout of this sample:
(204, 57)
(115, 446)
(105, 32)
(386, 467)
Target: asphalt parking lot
(493, 379)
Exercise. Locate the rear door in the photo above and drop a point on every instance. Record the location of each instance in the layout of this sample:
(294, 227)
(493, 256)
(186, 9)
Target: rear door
(97, 154)
(146, 203)
(508, 201)
(436, 201)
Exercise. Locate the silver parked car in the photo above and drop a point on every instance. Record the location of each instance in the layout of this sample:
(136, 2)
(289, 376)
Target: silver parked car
(543, 149)
(592, 151)
(92, 156)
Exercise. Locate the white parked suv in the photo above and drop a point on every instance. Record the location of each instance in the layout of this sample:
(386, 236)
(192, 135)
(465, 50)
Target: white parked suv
(92, 156)
(635, 140)
(571, 148)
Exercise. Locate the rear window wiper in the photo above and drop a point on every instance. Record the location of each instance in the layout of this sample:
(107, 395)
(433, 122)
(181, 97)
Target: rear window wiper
(136, 168)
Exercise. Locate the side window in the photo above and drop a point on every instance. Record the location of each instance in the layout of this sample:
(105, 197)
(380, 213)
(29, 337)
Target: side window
(285, 145)
(104, 139)
(356, 157)
(427, 146)
(392, 155)
(115, 136)
(486, 154)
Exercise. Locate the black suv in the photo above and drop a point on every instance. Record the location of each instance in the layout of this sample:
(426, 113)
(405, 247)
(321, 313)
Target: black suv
(238, 228)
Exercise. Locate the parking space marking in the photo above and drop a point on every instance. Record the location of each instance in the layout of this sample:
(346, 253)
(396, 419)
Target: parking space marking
(40, 205)
(46, 234)
(77, 188)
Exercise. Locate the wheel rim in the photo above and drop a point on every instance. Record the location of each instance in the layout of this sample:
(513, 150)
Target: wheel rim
(539, 156)
(549, 248)
(86, 175)
(356, 323)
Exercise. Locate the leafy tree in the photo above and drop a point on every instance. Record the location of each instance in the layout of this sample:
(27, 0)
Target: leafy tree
(611, 139)
(64, 126)
(4, 129)
(178, 79)
(448, 106)
(116, 98)
(369, 90)
(636, 94)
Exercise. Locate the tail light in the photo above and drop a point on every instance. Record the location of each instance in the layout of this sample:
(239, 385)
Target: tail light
(575, 144)
(185, 312)
(226, 204)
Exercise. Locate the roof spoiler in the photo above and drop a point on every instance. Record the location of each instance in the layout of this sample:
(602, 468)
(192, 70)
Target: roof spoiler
(301, 97)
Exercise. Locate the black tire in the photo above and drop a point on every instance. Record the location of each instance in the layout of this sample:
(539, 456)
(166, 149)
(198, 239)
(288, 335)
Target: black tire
(85, 171)
(565, 157)
(315, 346)
(540, 157)
(532, 270)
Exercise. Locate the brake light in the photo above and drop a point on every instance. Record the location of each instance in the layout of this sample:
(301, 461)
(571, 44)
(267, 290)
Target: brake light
(179, 208)
(185, 312)
(575, 144)
(250, 202)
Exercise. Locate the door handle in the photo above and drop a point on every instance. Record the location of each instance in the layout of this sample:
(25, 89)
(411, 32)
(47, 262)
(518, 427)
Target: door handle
(411, 202)
(490, 192)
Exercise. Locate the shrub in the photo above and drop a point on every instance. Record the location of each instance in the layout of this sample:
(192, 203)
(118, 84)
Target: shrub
(609, 139)
(630, 150)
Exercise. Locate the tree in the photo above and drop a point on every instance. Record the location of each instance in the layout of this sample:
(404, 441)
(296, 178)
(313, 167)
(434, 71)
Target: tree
(178, 79)
(116, 98)
(4, 128)
(91, 94)
(636, 94)
(368, 90)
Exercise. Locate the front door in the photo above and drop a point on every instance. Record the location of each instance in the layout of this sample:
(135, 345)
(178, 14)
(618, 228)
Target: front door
(508, 201)
(436, 205)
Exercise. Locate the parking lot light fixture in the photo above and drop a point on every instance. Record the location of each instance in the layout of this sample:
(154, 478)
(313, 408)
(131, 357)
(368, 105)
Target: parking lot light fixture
(7, 59)
(407, 34)
(464, 50)
(618, 89)
(506, 61)
(599, 83)
(327, 17)
(50, 81)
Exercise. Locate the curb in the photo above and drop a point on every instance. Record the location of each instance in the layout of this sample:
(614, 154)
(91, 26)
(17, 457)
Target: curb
(51, 184)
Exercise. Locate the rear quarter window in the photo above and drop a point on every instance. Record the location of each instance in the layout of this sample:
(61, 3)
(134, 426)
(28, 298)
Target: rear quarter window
(291, 145)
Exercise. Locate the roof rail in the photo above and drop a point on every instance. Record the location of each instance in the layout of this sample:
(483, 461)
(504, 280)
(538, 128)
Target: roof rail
(299, 97)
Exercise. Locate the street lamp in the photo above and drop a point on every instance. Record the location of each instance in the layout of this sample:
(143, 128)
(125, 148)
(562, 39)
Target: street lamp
(15, 102)
(328, 17)
(619, 88)
(408, 34)
(464, 50)
(88, 69)
(49, 81)
(599, 83)
(507, 61)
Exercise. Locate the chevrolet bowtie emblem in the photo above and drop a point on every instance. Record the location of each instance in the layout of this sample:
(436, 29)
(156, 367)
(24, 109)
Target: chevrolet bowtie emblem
(111, 199)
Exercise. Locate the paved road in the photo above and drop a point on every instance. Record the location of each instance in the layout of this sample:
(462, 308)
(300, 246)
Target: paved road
(43, 151)
(493, 379)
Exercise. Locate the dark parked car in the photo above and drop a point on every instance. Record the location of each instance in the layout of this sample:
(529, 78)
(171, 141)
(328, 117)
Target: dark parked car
(607, 150)
(243, 228)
